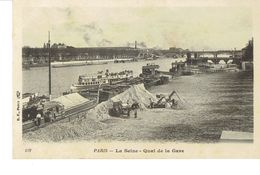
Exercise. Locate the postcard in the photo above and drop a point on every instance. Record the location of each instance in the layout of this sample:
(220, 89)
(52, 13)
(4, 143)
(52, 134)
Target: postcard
(135, 79)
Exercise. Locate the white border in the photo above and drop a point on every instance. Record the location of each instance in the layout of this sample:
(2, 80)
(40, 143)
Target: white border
(43, 167)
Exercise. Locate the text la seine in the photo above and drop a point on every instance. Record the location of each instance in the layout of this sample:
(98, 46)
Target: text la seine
(138, 151)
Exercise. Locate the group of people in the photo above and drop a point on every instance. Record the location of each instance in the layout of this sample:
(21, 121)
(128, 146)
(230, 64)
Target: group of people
(40, 118)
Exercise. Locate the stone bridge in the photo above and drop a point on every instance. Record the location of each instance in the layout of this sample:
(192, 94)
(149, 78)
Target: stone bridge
(194, 57)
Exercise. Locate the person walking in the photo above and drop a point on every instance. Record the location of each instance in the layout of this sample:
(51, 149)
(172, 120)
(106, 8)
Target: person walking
(135, 107)
(128, 108)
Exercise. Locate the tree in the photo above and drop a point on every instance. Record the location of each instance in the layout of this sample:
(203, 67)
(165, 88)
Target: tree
(249, 51)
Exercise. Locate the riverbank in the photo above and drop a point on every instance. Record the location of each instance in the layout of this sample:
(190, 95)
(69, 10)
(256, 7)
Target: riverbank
(57, 64)
(214, 102)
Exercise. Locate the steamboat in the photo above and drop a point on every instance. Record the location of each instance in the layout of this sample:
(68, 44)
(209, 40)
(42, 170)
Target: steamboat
(92, 83)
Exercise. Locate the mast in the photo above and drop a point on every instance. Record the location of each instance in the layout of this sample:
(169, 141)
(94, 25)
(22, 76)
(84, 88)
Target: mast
(49, 54)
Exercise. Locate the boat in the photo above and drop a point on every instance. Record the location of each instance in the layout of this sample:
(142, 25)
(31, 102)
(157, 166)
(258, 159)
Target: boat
(92, 83)
(67, 65)
(64, 107)
(125, 60)
(191, 70)
(95, 63)
(223, 68)
(177, 68)
(76, 63)
(232, 68)
(152, 77)
(187, 72)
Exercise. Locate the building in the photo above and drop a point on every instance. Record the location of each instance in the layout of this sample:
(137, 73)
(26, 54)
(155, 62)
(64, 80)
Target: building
(61, 52)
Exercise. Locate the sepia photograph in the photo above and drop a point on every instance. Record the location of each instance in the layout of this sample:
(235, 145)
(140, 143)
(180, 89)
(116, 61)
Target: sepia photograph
(141, 74)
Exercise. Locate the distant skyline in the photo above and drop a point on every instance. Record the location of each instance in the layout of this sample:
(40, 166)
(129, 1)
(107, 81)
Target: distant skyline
(194, 28)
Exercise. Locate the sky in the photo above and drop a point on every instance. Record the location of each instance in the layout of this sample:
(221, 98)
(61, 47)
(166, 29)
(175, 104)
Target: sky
(194, 28)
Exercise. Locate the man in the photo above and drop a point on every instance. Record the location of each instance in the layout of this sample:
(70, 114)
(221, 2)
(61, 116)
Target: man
(174, 103)
(127, 107)
(151, 103)
(135, 106)
(38, 119)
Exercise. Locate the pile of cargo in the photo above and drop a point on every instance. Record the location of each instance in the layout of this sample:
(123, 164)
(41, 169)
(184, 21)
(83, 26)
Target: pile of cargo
(136, 93)
(71, 100)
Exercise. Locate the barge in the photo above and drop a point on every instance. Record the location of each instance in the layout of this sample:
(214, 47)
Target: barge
(42, 113)
(152, 77)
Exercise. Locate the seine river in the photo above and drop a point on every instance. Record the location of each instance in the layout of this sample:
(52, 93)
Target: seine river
(36, 79)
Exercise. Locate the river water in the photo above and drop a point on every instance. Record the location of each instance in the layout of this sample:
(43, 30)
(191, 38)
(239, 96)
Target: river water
(36, 79)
